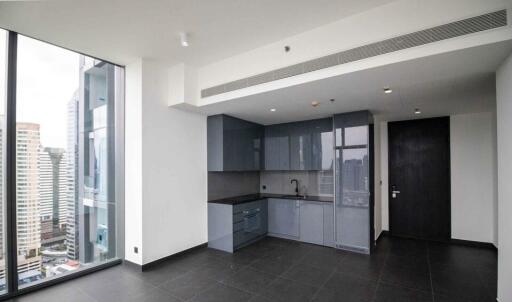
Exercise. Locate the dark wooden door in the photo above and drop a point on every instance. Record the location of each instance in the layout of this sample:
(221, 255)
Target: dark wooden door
(419, 173)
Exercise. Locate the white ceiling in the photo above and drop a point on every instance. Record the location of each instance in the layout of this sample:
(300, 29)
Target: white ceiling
(122, 30)
(462, 81)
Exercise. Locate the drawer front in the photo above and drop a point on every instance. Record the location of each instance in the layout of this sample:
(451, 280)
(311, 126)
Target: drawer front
(246, 206)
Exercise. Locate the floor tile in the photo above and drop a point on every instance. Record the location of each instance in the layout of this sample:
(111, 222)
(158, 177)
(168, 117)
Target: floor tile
(188, 285)
(307, 274)
(363, 266)
(409, 277)
(222, 293)
(250, 280)
(347, 287)
(269, 266)
(391, 293)
(288, 290)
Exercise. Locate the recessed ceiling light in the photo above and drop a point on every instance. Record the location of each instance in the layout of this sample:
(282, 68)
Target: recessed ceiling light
(417, 111)
(315, 103)
(388, 90)
(184, 39)
(273, 110)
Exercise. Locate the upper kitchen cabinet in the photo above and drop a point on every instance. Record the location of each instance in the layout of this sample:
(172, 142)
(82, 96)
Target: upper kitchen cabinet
(277, 147)
(234, 144)
(306, 145)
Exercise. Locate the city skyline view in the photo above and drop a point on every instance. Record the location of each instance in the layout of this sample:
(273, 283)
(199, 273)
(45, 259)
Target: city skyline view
(64, 203)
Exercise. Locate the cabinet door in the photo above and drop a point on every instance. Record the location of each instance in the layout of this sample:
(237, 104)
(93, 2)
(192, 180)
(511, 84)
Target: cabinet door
(300, 151)
(312, 222)
(283, 217)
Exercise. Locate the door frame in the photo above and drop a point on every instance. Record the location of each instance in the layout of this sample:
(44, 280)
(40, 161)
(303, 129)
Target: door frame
(389, 184)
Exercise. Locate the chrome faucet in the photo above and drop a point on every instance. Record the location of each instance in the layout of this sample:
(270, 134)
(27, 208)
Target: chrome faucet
(296, 186)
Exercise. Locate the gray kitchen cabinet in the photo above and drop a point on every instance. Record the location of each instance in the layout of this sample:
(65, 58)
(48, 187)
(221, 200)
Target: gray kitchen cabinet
(231, 227)
(312, 222)
(234, 144)
(277, 148)
(300, 151)
(302, 146)
(284, 218)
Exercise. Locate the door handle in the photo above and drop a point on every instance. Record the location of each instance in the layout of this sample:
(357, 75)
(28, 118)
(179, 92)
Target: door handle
(394, 192)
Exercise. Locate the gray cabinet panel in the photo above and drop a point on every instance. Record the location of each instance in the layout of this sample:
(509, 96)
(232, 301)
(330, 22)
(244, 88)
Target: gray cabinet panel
(305, 145)
(277, 149)
(234, 144)
(312, 222)
(283, 217)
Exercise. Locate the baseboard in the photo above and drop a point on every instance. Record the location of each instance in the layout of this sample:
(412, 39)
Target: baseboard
(479, 244)
(132, 265)
(151, 264)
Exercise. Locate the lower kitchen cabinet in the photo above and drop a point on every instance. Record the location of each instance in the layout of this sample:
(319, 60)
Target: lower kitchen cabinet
(311, 222)
(231, 227)
(283, 218)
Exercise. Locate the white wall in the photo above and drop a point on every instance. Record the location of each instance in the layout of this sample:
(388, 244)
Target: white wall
(133, 161)
(169, 169)
(504, 125)
(473, 175)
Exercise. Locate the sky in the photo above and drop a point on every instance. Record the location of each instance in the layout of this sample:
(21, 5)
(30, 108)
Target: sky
(47, 78)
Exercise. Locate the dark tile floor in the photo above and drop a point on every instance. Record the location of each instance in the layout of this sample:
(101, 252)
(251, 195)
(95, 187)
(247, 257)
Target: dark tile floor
(281, 270)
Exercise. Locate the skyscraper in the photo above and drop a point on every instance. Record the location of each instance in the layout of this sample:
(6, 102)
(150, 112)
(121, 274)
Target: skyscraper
(55, 191)
(27, 197)
(72, 239)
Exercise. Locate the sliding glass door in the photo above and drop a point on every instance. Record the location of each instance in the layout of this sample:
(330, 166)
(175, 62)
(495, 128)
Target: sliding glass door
(63, 111)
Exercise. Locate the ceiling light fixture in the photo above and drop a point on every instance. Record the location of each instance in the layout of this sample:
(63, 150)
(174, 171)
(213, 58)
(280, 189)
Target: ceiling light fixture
(184, 39)
(387, 90)
(417, 111)
(273, 110)
(315, 103)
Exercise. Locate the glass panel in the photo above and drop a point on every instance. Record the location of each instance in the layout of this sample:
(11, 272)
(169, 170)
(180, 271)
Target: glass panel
(65, 159)
(356, 136)
(3, 93)
(352, 198)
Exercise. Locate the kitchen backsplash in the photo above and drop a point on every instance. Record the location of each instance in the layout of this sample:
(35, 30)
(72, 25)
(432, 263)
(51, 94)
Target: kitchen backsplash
(316, 183)
(229, 184)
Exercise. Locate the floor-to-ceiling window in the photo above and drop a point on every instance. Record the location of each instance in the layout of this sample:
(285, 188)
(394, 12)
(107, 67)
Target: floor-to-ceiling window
(3, 94)
(63, 111)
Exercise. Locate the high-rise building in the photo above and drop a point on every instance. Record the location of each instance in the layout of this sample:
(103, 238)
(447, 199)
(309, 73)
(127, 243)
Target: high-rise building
(72, 239)
(27, 197)
(55, 191)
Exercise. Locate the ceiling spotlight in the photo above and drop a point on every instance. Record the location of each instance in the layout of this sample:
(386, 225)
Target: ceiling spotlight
(417, 111)
(273, 110)
(315, 103)
(388, 90)
(184, 39)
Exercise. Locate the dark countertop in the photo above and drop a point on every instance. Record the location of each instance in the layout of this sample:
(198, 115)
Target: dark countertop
(252, 197)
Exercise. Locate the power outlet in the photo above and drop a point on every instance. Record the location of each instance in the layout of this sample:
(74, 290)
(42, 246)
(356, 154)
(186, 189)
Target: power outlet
(135, 250)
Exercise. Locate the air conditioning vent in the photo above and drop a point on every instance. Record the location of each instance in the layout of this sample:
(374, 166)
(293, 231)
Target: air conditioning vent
(431, 35)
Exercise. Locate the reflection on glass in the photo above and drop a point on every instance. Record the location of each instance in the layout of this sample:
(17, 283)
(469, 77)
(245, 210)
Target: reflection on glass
(3, 93)
(352, 188)
(355, 136)
(355, 182)
(64, 159)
